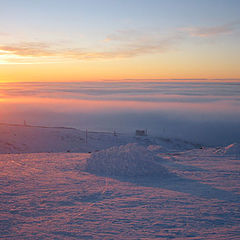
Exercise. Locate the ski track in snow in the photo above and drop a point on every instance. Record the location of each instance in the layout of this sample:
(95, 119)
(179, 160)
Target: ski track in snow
(52, 196)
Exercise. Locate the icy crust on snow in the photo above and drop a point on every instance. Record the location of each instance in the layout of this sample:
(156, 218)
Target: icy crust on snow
(232, 149)
(129, 160)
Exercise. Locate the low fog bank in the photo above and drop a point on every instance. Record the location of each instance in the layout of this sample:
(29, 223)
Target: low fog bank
(198, 111)
(202, 130)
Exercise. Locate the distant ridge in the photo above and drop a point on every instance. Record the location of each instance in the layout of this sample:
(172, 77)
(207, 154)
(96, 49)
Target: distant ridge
(37, 126)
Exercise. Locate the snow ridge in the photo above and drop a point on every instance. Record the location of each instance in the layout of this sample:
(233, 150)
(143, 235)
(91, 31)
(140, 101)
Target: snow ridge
(232, 149)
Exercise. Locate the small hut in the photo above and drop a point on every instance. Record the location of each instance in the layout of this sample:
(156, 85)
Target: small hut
(141, 132)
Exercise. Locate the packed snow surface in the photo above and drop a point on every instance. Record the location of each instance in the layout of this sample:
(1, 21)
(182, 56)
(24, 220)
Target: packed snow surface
(129, 160)
(52, 196)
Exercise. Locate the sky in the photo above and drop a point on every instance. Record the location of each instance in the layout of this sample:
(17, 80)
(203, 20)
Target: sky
(76, 40)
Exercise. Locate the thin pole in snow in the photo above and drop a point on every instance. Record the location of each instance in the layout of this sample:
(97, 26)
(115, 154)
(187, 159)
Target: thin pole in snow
(86, 135)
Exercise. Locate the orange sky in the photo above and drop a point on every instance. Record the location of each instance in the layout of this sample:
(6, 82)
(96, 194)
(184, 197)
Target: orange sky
(136, 68)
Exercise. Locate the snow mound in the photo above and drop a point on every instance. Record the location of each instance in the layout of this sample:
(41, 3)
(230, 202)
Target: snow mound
(232, 149)
(129, 160)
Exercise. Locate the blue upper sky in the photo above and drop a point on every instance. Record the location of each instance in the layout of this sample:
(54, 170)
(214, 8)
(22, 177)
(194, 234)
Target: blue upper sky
(104, 16)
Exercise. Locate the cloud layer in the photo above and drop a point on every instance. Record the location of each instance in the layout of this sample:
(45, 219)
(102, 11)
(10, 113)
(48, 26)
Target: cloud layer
(143, 91)
(116, 46)
(121, 44)
(212, 31)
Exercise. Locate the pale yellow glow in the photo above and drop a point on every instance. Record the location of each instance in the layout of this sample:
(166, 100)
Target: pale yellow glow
(162, 66)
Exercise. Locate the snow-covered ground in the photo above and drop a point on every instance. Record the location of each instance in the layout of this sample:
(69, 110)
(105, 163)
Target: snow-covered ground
(52, 194)
(30, 139)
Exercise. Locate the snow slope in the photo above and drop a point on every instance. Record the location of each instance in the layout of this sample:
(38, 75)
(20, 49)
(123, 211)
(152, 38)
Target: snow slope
(30, 139)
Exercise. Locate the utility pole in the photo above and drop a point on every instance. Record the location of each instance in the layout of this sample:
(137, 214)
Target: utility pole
(86, 135)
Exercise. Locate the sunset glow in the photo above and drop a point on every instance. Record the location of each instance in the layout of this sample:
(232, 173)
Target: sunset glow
(76, 41)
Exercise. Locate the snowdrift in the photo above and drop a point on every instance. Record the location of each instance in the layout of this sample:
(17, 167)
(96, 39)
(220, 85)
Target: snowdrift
(129, 160)
(232, 149)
